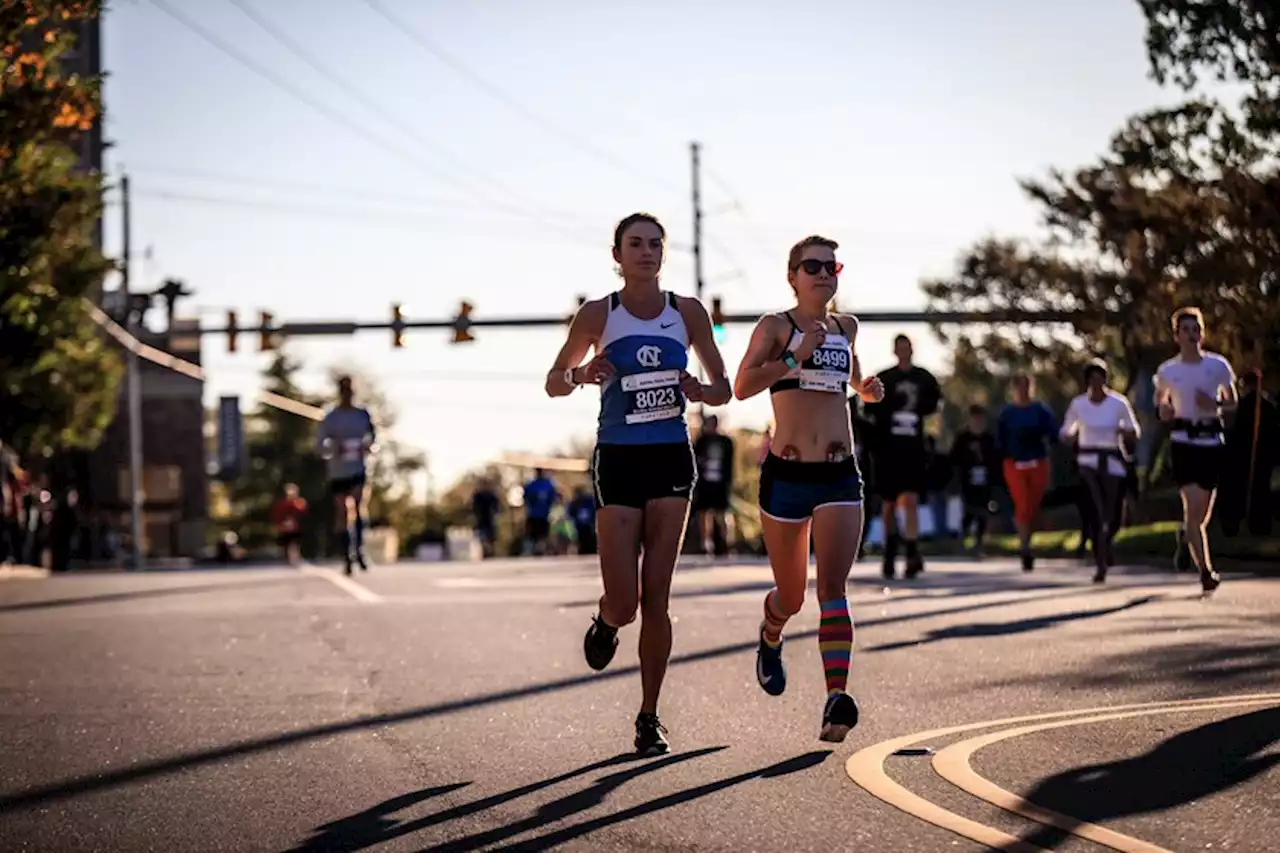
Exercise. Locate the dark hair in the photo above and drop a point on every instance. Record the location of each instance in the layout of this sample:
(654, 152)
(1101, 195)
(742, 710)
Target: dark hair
(634, 218)
(797, 251)
(1093, 367)
(900, 339)
(975, 409)
(1183, 313)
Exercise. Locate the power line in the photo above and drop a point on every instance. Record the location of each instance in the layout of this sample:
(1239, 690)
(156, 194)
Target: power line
(388, 219)
(511, 102)
(284, 85)
(369, 103)
(340, 190)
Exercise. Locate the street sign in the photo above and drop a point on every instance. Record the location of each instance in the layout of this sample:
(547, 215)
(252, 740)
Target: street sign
(230, 438)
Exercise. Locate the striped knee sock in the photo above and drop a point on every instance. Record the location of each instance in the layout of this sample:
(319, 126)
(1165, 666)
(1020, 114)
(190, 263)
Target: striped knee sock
(774, 620)
(835, 641)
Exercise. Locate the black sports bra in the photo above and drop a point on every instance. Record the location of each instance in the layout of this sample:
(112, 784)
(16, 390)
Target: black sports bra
(827, 370)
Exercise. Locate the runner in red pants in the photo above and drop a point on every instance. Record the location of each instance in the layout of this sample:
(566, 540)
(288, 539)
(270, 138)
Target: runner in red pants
(1024, 432)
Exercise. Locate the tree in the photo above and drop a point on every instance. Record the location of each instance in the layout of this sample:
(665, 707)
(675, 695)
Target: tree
(1178, 212)
(57, 376)
(279, 449)
(1236, 41)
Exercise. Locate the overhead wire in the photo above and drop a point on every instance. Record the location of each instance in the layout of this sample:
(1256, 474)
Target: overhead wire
(512, 103)
(327, 111)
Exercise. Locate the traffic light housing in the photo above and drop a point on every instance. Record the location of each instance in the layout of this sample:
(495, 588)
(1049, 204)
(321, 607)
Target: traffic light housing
(232, 329)
(266, 335)
(462, 324)
(397, 326)
(717, 320)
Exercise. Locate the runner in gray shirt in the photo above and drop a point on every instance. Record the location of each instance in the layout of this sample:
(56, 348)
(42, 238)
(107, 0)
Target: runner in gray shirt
(345, 439)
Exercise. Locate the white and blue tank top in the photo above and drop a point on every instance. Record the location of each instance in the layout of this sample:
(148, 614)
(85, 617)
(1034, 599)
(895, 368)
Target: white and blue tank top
(643, 402)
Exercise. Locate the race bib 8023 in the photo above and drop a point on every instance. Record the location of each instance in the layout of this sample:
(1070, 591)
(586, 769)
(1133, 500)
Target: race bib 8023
(653, 396)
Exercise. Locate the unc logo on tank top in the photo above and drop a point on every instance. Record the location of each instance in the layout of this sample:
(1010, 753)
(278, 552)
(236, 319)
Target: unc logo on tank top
(643, 403)
(655, 394)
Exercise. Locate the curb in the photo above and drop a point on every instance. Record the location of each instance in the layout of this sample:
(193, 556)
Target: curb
(20, 573)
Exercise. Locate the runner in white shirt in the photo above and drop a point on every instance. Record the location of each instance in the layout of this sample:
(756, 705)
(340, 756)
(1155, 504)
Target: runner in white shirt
(1193, 390)
(1103, 427)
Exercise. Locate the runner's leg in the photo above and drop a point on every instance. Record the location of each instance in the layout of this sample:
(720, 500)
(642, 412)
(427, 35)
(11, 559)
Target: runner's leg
(787, 543)
(835, 550)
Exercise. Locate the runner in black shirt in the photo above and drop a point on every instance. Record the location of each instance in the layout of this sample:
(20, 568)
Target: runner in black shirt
(714, 452)
(976, 461)
(911, 394)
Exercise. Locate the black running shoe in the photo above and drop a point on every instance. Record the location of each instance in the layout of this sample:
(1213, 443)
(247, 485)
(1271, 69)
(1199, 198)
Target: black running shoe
(346, 565)
(1100, 576)
(915, 563)
(1209, 580)
(364, 567)
(651, 735)
(770, 671)
(1028, 561)
(838, 717)
(1182, 554)
(890, 557)
(600, 643)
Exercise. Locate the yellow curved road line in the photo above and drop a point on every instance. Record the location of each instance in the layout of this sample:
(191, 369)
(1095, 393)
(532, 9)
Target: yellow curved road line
(953, 764)
(866, 768)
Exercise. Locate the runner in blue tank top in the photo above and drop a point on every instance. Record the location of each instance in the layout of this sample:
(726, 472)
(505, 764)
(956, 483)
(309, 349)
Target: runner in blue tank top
(643, 468)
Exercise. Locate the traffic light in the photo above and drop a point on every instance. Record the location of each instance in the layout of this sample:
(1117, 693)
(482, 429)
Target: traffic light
(232, 328)
(397, 326)
(462, 324)
(717, 320)
(266, 339)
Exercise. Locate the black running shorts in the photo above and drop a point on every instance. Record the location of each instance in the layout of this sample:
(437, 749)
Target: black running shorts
(901, 467)
(634, 474)
(1196, 464)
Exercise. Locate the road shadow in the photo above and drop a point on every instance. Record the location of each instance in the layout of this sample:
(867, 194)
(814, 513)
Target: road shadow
(141, 594)
(150, 769)
(1187, 767)
(1005, 629)
(1232, 662)
(560, 836)
(376, 826)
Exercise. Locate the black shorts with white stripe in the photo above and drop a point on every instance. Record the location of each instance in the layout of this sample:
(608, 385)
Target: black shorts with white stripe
(634, 474)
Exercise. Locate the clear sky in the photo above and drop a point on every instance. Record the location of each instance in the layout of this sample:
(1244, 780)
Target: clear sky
(494, 168)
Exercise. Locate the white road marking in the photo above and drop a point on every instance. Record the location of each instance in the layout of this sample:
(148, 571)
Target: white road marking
(343, 583)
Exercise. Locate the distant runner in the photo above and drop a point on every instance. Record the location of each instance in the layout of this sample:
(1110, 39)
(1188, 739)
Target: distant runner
(1193, 391)
(976, 461)
(1104, 429)
(899, 453)
(1024, 431)
(345, 439)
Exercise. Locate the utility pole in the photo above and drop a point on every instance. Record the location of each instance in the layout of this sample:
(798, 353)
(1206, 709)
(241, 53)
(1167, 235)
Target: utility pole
(694, 150)
(134, 379)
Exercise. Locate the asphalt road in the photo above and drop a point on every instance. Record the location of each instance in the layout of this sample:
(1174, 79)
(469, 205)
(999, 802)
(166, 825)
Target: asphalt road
(447, 707)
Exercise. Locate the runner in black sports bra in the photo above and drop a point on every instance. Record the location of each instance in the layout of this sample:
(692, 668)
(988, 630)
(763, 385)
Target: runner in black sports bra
(810, 479)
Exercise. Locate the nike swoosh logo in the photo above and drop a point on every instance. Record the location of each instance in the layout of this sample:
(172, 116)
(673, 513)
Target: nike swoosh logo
(666, 325)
